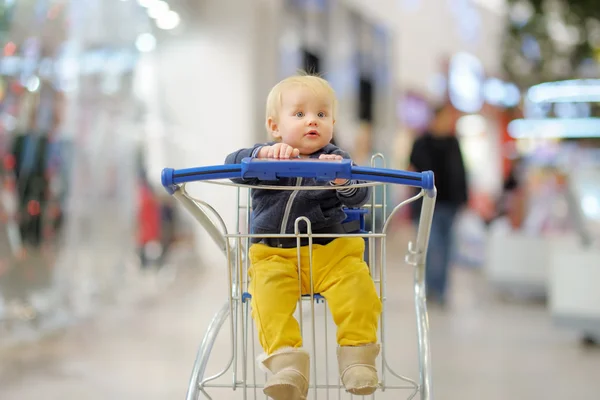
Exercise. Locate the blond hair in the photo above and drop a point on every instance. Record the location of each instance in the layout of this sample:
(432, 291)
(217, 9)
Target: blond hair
(315, 83)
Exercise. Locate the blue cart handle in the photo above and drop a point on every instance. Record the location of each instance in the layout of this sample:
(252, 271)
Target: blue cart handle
(269, 169)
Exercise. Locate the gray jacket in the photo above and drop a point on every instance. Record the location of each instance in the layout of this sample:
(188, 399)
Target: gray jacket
(275, 211)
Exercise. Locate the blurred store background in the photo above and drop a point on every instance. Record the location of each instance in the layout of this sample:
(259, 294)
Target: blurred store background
(97, 96)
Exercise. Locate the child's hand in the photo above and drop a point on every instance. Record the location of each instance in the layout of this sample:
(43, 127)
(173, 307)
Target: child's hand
(334, 157)
(279, 151)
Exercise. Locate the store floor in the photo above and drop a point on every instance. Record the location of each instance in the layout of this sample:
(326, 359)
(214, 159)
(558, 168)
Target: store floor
(482, 347)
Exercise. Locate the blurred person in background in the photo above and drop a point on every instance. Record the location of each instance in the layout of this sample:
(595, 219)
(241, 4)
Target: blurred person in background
(438, 150)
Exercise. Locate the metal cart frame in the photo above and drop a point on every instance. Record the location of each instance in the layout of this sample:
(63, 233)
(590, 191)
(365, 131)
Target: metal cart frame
(237, 305)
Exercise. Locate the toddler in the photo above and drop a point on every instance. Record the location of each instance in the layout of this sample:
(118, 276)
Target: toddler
(300, 117)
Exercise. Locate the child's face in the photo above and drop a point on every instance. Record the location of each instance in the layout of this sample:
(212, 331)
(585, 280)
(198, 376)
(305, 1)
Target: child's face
(305, 120)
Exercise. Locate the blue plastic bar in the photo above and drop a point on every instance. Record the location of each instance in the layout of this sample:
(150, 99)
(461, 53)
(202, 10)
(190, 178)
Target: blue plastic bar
(269, 169)
(307, 168)
(171, 178)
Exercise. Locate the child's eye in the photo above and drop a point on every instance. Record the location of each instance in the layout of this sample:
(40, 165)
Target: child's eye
(299, 114)
(321, 114)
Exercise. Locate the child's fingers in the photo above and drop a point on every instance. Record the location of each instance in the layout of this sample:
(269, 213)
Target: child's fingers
(280, 151)
(330, 157)
(288, 151)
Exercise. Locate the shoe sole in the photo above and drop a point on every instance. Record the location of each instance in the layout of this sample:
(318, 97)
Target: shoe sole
(362, 391)
(283, 392)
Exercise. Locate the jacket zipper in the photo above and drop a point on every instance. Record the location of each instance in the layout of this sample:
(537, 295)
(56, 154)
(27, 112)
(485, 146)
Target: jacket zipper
(288, 207)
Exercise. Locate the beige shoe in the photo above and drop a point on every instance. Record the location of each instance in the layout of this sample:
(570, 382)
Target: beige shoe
(357, 368)
(290, 368)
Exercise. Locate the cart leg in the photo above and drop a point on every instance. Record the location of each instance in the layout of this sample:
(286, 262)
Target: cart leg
(420, 297)
(204, 351)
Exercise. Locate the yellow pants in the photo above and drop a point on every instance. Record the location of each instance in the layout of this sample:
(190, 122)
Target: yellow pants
(340, 275)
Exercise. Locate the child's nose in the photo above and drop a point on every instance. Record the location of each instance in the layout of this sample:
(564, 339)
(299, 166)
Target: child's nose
(312, 121)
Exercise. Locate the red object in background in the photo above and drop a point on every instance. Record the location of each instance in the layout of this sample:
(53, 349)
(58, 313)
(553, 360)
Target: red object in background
(9, 162)
(33, 208)
(148, 216)
(507, 143)
(17, 88)
(9, 49)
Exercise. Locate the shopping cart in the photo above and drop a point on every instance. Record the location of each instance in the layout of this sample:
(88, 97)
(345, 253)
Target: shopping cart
(246, 382)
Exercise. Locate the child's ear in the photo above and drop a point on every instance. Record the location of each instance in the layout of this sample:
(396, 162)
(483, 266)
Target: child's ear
(273, 127)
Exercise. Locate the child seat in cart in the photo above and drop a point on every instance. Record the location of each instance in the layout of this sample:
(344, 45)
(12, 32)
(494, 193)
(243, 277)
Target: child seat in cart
(241, 375)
